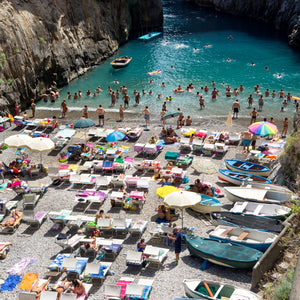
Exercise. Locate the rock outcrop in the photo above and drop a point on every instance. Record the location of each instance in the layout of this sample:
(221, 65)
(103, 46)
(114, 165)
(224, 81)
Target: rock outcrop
(290, 161)
(283, 14)
(44, 42)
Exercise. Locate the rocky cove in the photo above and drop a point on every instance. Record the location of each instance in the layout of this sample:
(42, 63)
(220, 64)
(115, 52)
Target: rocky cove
(51, 42)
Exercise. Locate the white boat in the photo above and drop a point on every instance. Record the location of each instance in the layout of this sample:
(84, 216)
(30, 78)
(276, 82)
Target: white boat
(207, 205)
(248, 193)
(256, 239)
(270, 186)
(195, 288)
(273, 211)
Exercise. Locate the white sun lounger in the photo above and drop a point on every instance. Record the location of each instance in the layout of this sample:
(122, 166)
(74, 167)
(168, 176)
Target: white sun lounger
(138, 227)
(27, 296)
(34, 219)
(185, 143)
(69, 242)
(134, 259)
(103, 182)
(94, 270)
(156, 256)
(112, 292)
(48, 295)
(68, 296)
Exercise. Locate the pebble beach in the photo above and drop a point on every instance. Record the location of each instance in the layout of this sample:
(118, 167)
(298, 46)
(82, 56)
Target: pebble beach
(40, 243)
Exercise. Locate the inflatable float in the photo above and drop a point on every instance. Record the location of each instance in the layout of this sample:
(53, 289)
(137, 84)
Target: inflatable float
(154, 72)
(178, 91)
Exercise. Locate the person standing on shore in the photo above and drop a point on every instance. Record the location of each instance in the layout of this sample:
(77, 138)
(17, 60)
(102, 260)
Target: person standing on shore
(146, 113)
(64, 108)
(32, 105)
(285, 127)
(260, 103)
(236, 107)
(253, 115)
(177, 243)
(247, 136)
(121, 112)
(126, 100)
(250, 100)
(113, 98)
(100, 111)
(85, 112)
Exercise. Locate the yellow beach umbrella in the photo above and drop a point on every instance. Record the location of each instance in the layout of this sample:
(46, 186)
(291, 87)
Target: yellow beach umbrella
(166, 190)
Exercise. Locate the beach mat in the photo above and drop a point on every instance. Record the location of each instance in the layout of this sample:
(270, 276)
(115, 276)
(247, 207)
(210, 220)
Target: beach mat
(19, 267)
(10, 283)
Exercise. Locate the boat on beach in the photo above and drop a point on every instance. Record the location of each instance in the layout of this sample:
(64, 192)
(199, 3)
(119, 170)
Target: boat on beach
(207, 205)
(268, 186)
(247, 167)
(246, 221)
(237, 178)
(247, 193)
(272, 211)
(223, 253)
(259, 240)
(121, 62)
(212, 290)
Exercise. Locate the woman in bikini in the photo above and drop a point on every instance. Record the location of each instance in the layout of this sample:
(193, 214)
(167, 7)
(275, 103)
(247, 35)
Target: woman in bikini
(38, 289)
(63, 287)
(15, 217)
(78, 287)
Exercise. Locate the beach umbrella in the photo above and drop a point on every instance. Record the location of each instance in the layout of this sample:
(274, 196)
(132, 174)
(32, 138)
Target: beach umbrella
(115, 136)
(166, 190)
(84, 123)
(204, 166)
(41, 144)
(181, 200)
(229, 120)
(18, 141)
(263, 128)
(171, 114)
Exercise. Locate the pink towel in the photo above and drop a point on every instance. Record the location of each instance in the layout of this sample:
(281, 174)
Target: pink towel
(129, 159)
(123, 285)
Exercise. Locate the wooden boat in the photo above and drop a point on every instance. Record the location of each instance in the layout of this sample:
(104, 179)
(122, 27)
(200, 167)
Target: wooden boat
(121, 62)
(246, 221)
(195, 288)
(272, 211)
(222, 253)
(207, 205)
(247, 167)
(259, 240)
(247, 193)
(149, 36)
(237, 178)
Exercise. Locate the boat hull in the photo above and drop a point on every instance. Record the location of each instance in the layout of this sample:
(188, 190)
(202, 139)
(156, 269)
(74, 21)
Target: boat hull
(247, 167)
(121, 62)
(223, 254)
(207, 205)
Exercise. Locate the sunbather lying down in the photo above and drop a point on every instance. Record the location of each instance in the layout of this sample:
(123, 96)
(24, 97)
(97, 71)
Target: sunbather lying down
(36, 288)
(3, 248)
(63, 287)
(14, 218)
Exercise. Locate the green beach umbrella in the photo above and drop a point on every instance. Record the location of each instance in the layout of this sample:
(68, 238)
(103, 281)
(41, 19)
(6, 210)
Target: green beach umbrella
(84, 123)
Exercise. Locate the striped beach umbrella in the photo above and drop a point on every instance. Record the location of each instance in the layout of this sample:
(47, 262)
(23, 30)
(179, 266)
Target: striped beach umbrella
(263, 128)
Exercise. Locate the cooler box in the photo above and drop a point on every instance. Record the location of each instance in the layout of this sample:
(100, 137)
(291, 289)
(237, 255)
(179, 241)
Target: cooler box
(171, 155)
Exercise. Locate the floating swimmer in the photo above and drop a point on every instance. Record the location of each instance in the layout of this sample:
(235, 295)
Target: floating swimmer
(195, 50)
(228, 59)
(207, 46)
(170, 98)
(252, 64)
(277, 75)
(178, 46)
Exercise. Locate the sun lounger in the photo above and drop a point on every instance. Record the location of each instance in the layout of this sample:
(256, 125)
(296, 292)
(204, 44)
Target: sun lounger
(117, 199)
(185, 143)
(3, 209)
(220, 148)
(85, 179)
(48, 295)
(66, 241)
(134, 259)
(34, 219)
(30, 200)
(56, 264)
(96, 271)
(141, 290)
(68, 296)
(27, 296)
(112, 292)
(107, 166)
(118, 180)
(143, 184)
(66, 133)
(112, 248)
(138, 227)
(59, 217)
(121, 226)
(208, 149)
(197, 145)
(155, 256)
(103, 182)
(74, 264)
(4, 251)
(13, 228)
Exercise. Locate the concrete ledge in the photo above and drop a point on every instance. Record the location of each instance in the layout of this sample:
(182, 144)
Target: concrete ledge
(295, 292)
(267, 261)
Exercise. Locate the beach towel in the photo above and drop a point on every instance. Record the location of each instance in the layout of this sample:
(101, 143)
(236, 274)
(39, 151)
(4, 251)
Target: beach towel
(21, 265)
(4, 185)
(129, 159)
(57, 262)
(10, 283)
(123, 285)
(28, 280)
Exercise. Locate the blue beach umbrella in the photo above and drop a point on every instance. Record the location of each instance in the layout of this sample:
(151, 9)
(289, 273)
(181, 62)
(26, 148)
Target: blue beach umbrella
(115, 136)
(84, 123)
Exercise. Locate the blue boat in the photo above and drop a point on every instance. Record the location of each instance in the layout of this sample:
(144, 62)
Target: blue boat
(207, 205)
(246, 167)
(256, 239)
(149, 36)
(238, 178)
(224, 254)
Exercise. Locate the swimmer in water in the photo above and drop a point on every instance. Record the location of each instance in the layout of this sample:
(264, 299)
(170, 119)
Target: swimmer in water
(267, 69)
(163, 84)
(207, 46)
(116, 81)
(230, 37)
(228, 59)
(151, 81)
(172, 67)
(252, 64)
(195, 50)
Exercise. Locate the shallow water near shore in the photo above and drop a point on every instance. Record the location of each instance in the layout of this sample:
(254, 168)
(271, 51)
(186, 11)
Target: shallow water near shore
(187, 27)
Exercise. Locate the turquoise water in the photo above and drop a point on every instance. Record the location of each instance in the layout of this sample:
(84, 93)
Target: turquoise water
(187, 27)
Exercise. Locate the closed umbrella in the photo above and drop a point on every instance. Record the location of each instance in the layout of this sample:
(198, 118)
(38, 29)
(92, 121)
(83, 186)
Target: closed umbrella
(84, 123)
(166, 190)
(18, 141)
(263, 128)
(115, 136)
(182, 199)
(229, 120)
(41, 144)
(204, 166)
(171, 114)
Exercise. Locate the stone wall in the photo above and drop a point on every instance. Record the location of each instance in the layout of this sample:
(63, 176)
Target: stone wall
(45, 42)
(283, 14)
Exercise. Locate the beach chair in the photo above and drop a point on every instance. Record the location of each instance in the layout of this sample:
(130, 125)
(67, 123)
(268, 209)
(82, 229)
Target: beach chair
(220, 149)
(4, 251)
(3, 208)
(96, 271)
(138, 227)
(73, 266)
(171, 156)
(59, 217)
(134, 259)
(108, 166)
(13, 228)
(155, 256)
(53, 173)
(34, 219)
(117, 199)
(185, 144)
(48, 295)
(208, 149)
(113, 249)
(140, 290)
(27, 296)
(30, 200)
(197, 145)
(143, 184)
(118, 180)
(67, 241)
(112, 292)
(119, 226)
(65, 296)
(103, 182)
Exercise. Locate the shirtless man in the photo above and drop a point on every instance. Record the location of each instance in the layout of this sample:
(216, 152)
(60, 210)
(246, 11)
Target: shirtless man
(267, 93)
(79, 94)
(281, 93)
(126, 100)
(146, 113)
(260, 103)
(124, 90)
(236, 107)
(247, 136)
(236, 92)
(273, 94)
(285, 127)
(75, 96)
(137, 98)
(201, 102)
(64, 108)
(100, 111)
(214, 94)
(253, 115)
(241, 88)
(88, 92)
(250, 100)
(113, 98)
(98, 89)
(121, 112)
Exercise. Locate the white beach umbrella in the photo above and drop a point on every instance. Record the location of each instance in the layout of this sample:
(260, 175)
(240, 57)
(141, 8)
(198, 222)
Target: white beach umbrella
(18, 141)
(41, 144)
(182, 199)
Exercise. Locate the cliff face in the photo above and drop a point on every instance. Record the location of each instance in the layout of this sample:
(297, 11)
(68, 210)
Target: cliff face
(54, 41)
(283, 14)
(290, 162)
